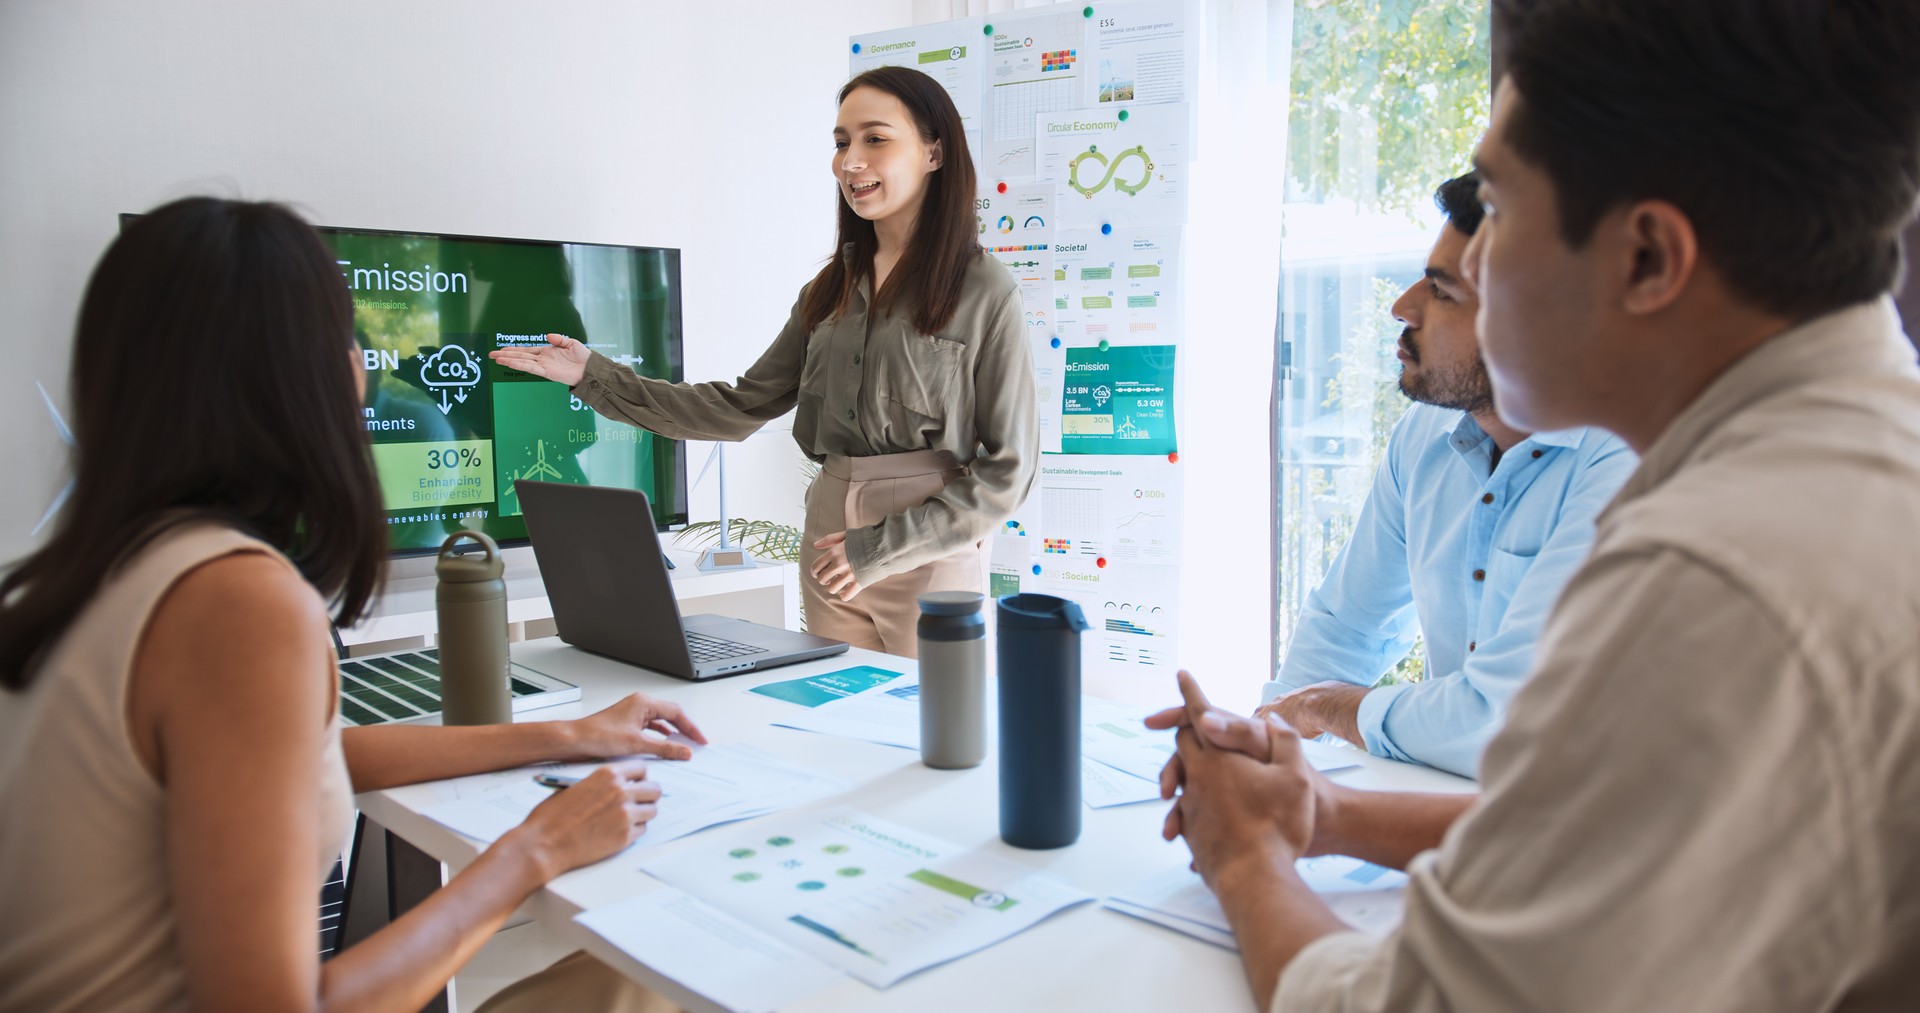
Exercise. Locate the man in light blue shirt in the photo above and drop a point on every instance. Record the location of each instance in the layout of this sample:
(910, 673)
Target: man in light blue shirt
(1468, 535)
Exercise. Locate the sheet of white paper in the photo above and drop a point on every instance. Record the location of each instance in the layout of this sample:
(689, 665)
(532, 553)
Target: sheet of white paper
(891, 717)
(1204, 933)
(1327, 758)
(1141, 55)
(1121, 287)
(1120, 172)
(1366, 896)
(709, 951)
(875, 899)
(1102, 786)
(888, 715)
(719, 785)
(1016, 228)
(1112, 734)
(948, 51)
(1033, 66)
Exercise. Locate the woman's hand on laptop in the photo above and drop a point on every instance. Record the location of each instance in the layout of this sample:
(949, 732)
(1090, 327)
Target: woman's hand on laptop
(638, 724)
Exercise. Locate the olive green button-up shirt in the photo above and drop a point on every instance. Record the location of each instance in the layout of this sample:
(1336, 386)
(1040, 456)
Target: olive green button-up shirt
(867, 385)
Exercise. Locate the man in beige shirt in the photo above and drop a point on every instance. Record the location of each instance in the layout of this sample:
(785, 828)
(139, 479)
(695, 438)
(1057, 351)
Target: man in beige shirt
(1707, 796)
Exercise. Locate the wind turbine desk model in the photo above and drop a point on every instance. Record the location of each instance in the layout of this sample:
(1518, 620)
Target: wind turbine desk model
(726, 555)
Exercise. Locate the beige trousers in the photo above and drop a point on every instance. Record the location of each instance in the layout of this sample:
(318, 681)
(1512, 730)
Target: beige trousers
(853, 492)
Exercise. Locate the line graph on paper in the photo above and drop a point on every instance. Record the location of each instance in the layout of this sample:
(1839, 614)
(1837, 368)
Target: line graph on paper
(1143, 517)
(1146, 536)
(1014, 107)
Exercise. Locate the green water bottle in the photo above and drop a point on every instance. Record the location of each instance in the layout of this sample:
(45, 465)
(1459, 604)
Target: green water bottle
(472, 605)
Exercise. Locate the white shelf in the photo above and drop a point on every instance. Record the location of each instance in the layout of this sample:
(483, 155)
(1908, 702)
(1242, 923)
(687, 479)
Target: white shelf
(769, 593)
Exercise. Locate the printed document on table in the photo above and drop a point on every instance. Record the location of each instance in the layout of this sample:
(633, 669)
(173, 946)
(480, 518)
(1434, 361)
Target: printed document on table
(872, 898)
(1113, 734)
(889, 715)
(1102, 786)
(814, 690)
(719, 784)
(708, 951)
(1366, 896)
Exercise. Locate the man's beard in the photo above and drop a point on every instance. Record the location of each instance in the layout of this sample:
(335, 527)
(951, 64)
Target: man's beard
(1464, 389)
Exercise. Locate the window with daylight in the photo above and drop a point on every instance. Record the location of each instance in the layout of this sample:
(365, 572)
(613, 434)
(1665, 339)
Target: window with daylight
(1386, 99)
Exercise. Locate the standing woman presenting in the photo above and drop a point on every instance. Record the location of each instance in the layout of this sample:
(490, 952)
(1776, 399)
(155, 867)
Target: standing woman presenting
(907, 359)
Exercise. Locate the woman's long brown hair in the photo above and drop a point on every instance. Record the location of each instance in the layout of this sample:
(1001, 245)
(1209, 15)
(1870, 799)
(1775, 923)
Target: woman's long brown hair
(946, 237)
(212, 379)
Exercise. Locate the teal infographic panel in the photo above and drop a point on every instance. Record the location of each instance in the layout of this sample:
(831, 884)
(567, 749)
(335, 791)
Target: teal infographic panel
(1118, 400)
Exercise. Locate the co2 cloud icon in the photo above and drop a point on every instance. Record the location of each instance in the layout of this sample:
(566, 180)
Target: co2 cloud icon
(452, 368)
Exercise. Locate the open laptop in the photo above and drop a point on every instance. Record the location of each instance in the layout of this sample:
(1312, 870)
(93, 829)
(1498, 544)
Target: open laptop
(608, 585)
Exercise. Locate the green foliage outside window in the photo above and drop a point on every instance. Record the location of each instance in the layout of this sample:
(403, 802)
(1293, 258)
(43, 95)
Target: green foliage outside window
(1408, 79)
(1387, 98)
(1378, 385)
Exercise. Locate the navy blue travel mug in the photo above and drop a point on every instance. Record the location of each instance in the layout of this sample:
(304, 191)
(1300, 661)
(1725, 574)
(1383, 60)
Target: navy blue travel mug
(1039, 673)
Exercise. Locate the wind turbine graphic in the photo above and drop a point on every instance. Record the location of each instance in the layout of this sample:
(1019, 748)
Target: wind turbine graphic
(66, 436)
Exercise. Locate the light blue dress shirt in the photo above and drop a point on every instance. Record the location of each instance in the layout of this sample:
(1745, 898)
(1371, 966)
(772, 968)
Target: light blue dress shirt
(1473, 555)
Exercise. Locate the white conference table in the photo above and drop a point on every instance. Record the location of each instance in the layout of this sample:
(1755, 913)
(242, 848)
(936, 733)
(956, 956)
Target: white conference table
(1084, 958)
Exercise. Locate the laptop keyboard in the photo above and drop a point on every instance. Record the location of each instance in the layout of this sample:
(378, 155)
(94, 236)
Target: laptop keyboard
(406, 685)
(706, 648)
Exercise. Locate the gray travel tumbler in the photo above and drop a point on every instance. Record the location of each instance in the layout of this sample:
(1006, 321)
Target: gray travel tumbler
(1039, 672)
(953, 679)
(472, 604)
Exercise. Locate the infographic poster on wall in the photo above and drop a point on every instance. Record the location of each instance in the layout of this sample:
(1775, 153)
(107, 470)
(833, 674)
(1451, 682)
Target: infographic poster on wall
(1088, 130)
(951, 52)
(1016, 228)
(1141, 56)
(1109, 538)
(1116, 168)
(1117, 512)
(1122, 288)
(1119, 400)
(1034, 63)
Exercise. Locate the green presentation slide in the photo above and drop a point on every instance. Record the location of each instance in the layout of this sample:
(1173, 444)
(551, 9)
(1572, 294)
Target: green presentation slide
(451, 430)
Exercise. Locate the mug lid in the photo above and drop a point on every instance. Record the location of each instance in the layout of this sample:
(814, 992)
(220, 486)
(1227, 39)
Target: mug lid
(951, 603)
(1041, 612)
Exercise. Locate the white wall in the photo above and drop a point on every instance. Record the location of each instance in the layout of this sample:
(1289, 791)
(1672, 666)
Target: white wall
(698, 124)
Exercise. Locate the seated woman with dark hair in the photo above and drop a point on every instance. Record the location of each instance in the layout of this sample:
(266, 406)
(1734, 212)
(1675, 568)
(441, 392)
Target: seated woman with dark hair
(173, 771)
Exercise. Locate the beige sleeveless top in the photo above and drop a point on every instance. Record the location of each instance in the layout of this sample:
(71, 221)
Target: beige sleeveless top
(87, 917)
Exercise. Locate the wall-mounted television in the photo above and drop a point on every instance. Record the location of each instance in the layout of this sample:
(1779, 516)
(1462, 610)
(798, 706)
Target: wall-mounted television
(451, 430)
